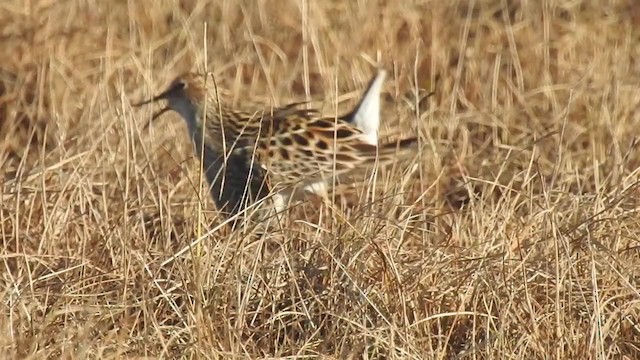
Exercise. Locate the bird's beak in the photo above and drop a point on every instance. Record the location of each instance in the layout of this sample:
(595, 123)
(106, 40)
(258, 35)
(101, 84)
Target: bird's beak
(163, 96)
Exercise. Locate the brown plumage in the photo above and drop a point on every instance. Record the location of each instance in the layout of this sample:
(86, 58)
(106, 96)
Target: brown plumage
(292, 146)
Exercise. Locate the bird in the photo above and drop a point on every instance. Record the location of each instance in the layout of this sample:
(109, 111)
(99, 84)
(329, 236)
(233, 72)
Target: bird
(284, 151)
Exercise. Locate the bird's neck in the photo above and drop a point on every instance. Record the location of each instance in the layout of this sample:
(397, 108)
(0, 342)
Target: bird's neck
(215, 123)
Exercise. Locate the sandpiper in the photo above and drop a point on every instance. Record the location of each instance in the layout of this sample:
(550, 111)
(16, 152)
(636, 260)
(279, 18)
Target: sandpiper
(287, 150)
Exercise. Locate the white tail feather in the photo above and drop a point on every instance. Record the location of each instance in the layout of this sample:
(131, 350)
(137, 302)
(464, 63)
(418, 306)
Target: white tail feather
(367, 115)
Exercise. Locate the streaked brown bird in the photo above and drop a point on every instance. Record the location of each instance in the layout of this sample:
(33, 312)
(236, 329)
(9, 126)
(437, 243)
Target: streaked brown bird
(296, 149)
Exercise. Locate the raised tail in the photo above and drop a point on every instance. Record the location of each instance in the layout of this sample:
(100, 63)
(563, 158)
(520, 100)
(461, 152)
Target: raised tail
(366, 115)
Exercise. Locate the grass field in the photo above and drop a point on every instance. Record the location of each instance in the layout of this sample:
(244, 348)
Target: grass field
(513, 234)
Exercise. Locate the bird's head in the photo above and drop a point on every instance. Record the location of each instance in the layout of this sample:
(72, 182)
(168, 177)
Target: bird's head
(185, 94)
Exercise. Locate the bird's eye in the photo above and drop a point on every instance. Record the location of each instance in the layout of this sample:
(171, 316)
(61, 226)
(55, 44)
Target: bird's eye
(179, 84)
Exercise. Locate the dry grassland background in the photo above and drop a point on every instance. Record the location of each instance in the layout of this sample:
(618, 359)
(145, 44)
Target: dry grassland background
(513, 234)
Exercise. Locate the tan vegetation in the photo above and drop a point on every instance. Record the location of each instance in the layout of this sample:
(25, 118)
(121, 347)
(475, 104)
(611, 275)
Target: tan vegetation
(513, 235)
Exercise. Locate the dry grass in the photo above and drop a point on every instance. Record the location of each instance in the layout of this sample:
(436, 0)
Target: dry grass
(514, 236)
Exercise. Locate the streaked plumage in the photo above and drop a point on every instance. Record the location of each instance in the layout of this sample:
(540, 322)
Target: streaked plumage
(295, 148)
